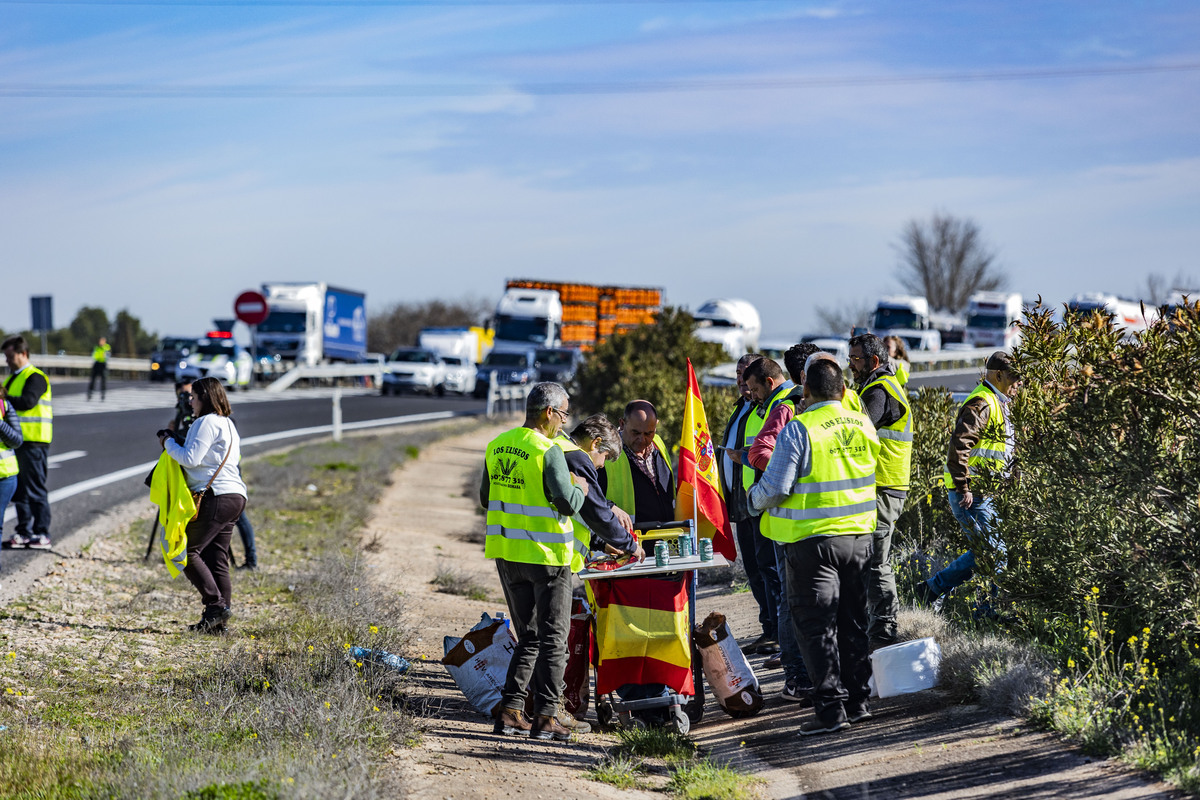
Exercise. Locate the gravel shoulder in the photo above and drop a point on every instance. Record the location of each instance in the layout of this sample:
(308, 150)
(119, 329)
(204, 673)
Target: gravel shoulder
(917, 746)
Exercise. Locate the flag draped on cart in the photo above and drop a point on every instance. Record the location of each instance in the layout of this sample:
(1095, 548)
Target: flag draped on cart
(699, 494)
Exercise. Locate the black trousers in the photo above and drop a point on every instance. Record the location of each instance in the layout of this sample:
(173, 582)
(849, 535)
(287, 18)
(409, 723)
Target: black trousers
(827, 595)
(31, 499)
(208, 547)
(99, 370)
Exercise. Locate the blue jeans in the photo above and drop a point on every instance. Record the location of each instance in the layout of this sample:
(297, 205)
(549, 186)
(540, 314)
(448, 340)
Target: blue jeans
(978, 522)
(246, 531)
(762, 573)
(789, 648)
(7, 487)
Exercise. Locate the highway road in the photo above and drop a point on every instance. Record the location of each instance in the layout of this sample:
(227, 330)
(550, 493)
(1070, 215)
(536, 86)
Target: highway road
(94, 441)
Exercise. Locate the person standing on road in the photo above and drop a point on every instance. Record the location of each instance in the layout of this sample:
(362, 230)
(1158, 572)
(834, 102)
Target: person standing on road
(530, 498)
(28, 390)
(746, 526)
(886, 404)
(180, 424)
(209, 457)
(818, 499)
(100, 354)
(10, 440)
(982, 443)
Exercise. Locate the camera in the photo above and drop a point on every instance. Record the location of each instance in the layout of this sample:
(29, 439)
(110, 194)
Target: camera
(170, 434)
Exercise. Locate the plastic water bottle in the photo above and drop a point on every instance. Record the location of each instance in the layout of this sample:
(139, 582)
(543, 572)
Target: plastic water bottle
(381, 657)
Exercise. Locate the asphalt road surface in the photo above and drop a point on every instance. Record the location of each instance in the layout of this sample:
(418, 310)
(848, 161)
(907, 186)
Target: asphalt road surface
(95, 440)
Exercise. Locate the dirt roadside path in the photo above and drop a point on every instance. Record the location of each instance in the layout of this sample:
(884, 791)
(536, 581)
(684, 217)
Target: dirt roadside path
(918, 746)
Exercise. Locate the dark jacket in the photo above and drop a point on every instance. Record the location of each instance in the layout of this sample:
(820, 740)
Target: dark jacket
(597, 509)
(735, 497)
(653, 500)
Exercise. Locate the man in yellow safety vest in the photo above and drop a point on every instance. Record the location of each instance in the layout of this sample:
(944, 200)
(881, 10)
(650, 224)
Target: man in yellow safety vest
(818, 499)
(982, 443)
(530, 498)
(28, 390)
(640, 481)
(100, 354)
(885, 402)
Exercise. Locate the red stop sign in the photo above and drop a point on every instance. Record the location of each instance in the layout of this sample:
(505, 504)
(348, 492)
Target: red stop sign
(251, 308)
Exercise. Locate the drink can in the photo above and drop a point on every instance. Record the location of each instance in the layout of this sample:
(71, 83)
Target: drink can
(660, 553)
(685, 546)
(706, 550)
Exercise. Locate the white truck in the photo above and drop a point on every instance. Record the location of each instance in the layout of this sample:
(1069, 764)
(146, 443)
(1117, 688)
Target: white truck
(526, 319)
(992, 319)
(733, 324)
(1128, 314)
(908, 317)
(465, 344)
(312, 323)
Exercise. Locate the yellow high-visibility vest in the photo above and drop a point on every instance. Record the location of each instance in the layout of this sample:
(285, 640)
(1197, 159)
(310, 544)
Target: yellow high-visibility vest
(894, 469)
(620, 478)
(837, 497)
(8, 464)
(990, 453)
(100, 353)
(37, 424)
(522, 524)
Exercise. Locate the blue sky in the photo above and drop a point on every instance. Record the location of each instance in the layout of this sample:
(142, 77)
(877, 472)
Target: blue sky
(164, 157)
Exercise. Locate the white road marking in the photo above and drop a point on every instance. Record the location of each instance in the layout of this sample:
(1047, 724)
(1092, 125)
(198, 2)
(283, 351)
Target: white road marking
(70, 455)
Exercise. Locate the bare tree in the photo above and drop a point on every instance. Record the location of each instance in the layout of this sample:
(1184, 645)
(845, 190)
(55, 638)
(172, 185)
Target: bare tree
(840, 320)
(946, 261)
(399, 325)
(1158, 288)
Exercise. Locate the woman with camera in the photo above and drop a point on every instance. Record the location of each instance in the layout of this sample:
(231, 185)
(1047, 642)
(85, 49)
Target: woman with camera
(209, 457)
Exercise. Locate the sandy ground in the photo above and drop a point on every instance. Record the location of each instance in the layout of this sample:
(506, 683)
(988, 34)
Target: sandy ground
(917, 746)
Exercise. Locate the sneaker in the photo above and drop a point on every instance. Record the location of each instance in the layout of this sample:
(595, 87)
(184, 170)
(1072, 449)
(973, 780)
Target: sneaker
(774, 662)
(547, 729)
(572, 724)
(247, 565)
(924, 594)
(511, 722)
(860, 716)
(793, 692)
(17, 542)
(814, 727)
(39, 541)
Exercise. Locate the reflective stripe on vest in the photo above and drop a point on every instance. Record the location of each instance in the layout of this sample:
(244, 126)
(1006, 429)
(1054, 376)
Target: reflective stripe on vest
(522, 525)
(581, 544)
(37, 424)
(754, 424)
(837, 497)
(895, 441)
(8, 464)
(620, 478)
(990, 453)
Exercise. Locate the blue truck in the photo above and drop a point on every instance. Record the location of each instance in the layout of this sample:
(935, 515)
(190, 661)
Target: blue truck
(312, 323)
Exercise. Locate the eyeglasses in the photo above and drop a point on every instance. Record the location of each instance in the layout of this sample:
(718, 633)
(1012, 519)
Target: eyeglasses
(858, 358)
(562, 414)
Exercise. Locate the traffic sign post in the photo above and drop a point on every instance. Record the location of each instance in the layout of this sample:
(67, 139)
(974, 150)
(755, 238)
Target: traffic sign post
(251, 308)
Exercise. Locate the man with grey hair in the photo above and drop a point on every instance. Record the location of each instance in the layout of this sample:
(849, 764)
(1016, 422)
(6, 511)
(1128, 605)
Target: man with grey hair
(530, 498)
(593, 442)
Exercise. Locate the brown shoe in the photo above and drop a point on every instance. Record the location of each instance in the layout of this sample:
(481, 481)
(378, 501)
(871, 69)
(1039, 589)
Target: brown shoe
(547, 728)
(569, 721)
(511, 723)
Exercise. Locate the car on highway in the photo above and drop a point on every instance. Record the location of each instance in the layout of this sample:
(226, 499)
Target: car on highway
(558, 364)
(218, 355)
(170, 350)
(509, 367)
(839, 347)
(413, 369)
(460, 375)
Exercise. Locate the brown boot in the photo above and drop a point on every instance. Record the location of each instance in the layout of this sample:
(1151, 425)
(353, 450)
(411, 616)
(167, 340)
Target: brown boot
(571, 723)
(547, 728)
(511, 722)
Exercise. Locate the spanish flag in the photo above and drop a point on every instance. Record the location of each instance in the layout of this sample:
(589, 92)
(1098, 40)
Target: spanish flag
(642, 632)
(699, 488)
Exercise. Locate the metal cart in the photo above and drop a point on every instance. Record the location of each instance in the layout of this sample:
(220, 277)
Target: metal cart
(655, 592)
